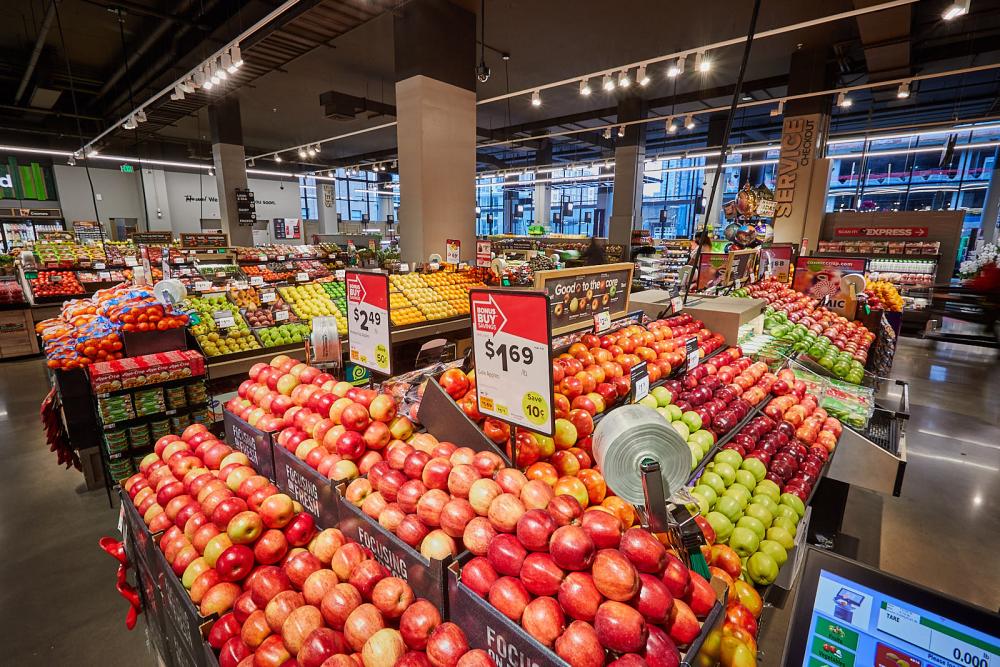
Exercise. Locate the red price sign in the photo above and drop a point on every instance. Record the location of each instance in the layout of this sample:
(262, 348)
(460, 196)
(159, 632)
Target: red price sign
(511, 343)
(368, 325)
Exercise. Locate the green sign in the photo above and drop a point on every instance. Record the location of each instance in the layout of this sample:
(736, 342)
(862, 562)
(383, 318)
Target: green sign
(127, 169)
(31, 181)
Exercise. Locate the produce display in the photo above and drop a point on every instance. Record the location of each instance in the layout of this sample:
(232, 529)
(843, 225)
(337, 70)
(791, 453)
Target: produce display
(220, 271)
(337, 293)
(283, 334)
(10, 293)
(434, 296)
(117, 251)
(835, 343)
(56, 283)
(282, 590)
(267, 315)
(883, 294)
(63, 254)
(213, 340)
(248, 299)
(267, 274)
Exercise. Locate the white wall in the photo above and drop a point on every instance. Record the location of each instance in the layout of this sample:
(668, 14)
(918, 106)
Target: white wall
(171, 197)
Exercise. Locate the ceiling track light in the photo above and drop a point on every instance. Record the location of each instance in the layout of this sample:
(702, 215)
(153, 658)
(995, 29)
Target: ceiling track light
(956, 9)
(277, 158)
(237, 55)
(641, 77)
(778, 110)
(302, 153)
(607, 83)
(670, 126)
(93, 152)
(689, 121)
(844, 101)
(607, 133)
(71, 160)
(178, 93)
(904, 90)
(585, 87)
(226, 61)
(140, 116)
(536, 99)
(677, 68)
(211, 171)
(621, 131)
(702, 62)
(623, 79)
(130, 123)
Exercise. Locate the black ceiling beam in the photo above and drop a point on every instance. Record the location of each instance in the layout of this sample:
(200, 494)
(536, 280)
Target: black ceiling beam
(142, 10)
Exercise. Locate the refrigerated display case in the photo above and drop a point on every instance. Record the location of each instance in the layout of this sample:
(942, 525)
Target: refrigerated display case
(21, 226)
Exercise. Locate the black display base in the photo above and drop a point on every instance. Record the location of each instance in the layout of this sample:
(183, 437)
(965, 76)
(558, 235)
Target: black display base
(253, 442)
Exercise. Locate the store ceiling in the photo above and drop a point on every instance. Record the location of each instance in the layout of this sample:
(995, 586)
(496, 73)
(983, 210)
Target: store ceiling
(346, 46)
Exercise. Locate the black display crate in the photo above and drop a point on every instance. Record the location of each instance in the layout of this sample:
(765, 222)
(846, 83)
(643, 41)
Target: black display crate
(253, 442)
(316, 493)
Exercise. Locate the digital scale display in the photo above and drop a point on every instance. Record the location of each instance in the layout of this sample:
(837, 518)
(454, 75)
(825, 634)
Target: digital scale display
(855, 625)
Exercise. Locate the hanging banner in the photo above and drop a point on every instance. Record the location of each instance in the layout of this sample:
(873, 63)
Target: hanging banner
(511, 345)
(368, 325)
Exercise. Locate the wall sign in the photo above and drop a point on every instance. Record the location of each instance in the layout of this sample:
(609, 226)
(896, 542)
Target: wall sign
(149, 238)
(576, 295)
(368, 324)
(740, 266)
(883, 232)
(198, 241)
(511, 344)
(246, 209)
(484, 253)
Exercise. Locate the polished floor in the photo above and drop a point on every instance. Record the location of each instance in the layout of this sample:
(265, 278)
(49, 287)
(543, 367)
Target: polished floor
(58, 604)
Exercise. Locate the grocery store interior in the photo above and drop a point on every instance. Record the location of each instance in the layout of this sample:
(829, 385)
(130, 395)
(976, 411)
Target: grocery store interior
(494, 332)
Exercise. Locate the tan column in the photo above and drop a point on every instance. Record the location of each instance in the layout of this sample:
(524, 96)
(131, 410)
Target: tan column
(802, 179)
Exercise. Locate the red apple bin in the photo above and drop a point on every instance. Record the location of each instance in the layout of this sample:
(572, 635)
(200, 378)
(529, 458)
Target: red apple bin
(314, 491)
(428, 577)
(256, 444)
(439, 414)
(510, 645)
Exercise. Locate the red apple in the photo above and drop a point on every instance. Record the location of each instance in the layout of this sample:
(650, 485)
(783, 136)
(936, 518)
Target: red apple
(510, 597)
(534, 528)
(338, 604)
(620, 628)
(579, 596)
(418, 622)
(392, 596)
(579, 646)
(506, 554)
(446, 645)
(571, 548)
(540, 575)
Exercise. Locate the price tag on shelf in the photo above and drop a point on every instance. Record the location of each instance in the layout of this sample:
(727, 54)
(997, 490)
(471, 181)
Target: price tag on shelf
(404, 268)
(692, 352)
(105, 276)
(434, 266)
(100, 266)
(302, 277)
(224, 319)
(639, 381)
(179, 260)
(262, 258)
(55, 278)
(240, 284)
(368, 320)
(268, 296)
(339, 274)
(677, 304)
(280, 258)
(602, 321)
(256, 281)
(462, 266)
(280, 315)
(202, 285)
(220, 274)
(131, 261)
(511, 343)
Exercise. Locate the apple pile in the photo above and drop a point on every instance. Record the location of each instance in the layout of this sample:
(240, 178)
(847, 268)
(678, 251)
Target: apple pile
(734, 644)
(449, 496)
(336, 428)
(591, 589)
(283, 592)
(801, 412)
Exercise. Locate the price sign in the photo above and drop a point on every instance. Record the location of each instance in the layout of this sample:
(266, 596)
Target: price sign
(202, 285)
(280, 315)
(302, 277)
(268, 296)
(602, 322)
(511, 344)
(453, 251)
(677, 304)
(56, 278)
(104, 275)
(262, 258)
(692, 351)
(368, 320)
(639, 381)
(240, 284)
(339, 274)
(404, 268)
(224, 319)
(131, 261)
(256, 281)
(484, 253)
(280, 258)
(100, 266)
(434, 266)
(179, 260)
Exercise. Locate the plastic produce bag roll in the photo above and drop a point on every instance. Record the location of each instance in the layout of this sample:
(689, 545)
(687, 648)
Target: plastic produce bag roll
(631, 434)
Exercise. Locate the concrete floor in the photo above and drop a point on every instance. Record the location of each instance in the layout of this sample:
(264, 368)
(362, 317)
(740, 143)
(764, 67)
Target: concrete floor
(59, 605)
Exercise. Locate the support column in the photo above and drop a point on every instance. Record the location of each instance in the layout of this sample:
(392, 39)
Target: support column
(991, 207)
(230, 165)
(435, 42)
(630, 157)
(803, 175)
(542, 196)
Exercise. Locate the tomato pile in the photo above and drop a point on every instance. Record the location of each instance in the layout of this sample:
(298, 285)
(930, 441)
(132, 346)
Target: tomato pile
(56, 283)
(89, 330)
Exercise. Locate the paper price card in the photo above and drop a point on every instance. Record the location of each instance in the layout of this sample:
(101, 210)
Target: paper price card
(256, 280)
(368, 326)
(602, 322)
(511, 343)
(692, 352)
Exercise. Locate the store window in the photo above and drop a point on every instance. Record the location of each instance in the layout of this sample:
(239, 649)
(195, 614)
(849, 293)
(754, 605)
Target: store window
(308, 198)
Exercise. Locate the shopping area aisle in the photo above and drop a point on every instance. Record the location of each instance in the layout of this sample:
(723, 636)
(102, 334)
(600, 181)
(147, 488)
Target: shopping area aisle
(57, 588)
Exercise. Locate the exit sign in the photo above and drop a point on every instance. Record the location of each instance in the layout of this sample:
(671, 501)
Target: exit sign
(127, 169)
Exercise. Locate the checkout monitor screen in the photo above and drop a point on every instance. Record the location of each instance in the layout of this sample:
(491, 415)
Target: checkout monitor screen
(850, 615)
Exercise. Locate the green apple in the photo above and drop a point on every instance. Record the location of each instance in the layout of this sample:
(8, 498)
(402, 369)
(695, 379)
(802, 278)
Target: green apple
(662, 395)
(675, 413)
(774, 550)
(760, 513)
(696, 456)
(786, 523)
(766, 501)
(706, 491)
(649, 401)
(794, 502)
(730, 456)
(768, 488)
(756, 466)
(729, 507)
(682, 429)
(721, 524)
(725, 471)
(665, 413)
(744, 541)
(703, 505)
(746, 478)
(739, 492)
(781, 536)
(692, 419)
(711, 479)
(787, 512)
(762, 569)
(753, 524)
(704, 438)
